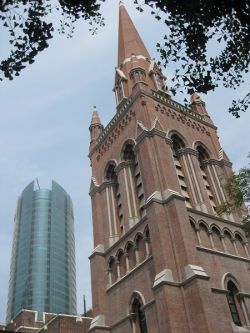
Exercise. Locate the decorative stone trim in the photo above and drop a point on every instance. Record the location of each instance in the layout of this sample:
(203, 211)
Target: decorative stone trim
(98, 250)
(164, 198)
(123, 165)
(127, 102)
(219, 291)
(184, 151)
(192, 272)
(226, 163)
(195, 211)
(100, 188)
(162, 277)
(139, 56)
(169, 141)
(150, 133)
(211, 161)
(220, 163)
(98, 323)
(184, 111)
(147, 305)
(243, 295)
(224, 254)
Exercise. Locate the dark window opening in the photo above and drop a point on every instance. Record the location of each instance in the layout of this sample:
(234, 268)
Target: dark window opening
(232, 302)
(140, 319)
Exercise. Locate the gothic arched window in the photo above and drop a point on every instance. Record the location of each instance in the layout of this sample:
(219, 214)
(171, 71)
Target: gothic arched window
(134, 180)
(203, 156)
(112, 270)
(114, 205)
(233, 303)
(110, 172)
(178, 144)
(139, 321)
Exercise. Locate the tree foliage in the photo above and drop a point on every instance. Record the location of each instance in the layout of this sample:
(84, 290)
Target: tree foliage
(237, 189)
(192, 27)
(30, 28)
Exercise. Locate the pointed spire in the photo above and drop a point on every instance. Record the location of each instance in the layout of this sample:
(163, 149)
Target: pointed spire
(130, 42)
(95, 128)
(95, 117)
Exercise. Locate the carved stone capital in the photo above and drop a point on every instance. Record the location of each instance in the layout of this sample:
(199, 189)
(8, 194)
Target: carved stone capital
(187, 151)
(123, 165)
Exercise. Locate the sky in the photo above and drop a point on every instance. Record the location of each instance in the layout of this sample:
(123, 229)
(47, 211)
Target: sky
(44, 119)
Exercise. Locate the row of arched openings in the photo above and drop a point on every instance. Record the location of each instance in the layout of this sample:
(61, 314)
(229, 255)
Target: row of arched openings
(221, 240)
(127, 258)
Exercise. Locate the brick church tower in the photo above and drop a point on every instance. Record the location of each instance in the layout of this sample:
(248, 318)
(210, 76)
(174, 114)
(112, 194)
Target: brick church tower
(163, 261)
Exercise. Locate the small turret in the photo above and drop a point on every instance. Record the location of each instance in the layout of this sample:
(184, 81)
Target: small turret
(197, 104)
(95, 127)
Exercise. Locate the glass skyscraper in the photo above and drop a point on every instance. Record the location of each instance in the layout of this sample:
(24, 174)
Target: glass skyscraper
(42, 273)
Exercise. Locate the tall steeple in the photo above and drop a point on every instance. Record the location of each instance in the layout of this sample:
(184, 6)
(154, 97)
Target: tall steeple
(136, 69)
(158, 175)
(130, 42)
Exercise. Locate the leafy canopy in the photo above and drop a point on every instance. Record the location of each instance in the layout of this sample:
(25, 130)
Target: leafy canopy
(193, 26)
(29, 26)
(237, 189)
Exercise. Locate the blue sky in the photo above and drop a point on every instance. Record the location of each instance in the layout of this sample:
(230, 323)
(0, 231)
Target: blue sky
(44, 120)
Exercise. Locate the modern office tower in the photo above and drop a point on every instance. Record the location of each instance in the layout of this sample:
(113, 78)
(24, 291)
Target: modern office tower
(42, 274)
(164, 261)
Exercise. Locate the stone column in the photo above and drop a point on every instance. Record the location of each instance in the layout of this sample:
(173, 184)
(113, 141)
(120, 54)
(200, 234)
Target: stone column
(235, 247)
(137, 259)
(146, 240)
(210, 233)
(118, 269)
(246, 248)
(223, 243)
(197, 231)
(127, 262)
